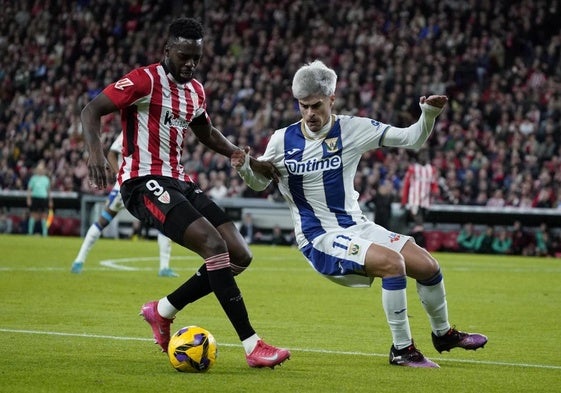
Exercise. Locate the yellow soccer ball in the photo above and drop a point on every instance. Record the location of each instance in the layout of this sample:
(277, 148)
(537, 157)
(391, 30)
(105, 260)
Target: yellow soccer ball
(192, 349)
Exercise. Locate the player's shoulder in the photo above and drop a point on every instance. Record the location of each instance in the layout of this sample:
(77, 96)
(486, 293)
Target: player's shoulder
(198, 87)
(350, 123)
(197, 83)
(138, 79)
(144, 72)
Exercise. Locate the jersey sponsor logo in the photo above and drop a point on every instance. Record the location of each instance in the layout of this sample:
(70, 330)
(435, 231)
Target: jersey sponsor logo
(175, 121)
(122, 83)
(394, 237)
(312, 166)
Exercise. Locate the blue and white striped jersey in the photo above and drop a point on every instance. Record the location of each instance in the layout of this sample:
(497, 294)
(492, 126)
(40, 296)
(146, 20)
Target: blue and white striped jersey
(318, 169)
(317, 174)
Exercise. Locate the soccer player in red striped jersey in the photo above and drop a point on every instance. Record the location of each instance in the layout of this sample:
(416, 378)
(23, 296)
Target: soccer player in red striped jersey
(158, 103)
(420, 184)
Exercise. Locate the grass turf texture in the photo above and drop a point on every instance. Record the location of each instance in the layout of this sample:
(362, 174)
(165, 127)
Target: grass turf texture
(62, 332)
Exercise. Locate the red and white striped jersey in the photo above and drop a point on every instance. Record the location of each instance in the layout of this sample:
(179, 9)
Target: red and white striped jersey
(155, 114)
(419, 183)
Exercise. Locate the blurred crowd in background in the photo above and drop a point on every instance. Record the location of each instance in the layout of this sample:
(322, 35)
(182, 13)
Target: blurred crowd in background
(497, 144)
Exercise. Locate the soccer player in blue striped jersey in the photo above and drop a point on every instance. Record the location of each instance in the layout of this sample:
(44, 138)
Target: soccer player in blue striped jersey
(314, 162)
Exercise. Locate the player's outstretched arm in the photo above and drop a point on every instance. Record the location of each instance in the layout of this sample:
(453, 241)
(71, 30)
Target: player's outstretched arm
(414, 136)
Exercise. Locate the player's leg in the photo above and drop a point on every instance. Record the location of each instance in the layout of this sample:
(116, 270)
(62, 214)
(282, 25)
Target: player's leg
(164, 246)
(423, 267)
(113, 205)
(349, 257)
(44, 226)
(209, 244)
(33, 216)
(198, 285)
(381, 261)
(186, 225)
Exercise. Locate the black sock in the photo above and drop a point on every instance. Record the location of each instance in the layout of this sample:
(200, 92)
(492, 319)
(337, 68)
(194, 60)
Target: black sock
(192, 290)
(228, 294)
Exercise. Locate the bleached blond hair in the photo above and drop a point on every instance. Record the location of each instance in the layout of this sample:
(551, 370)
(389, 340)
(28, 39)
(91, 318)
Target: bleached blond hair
(314, 78)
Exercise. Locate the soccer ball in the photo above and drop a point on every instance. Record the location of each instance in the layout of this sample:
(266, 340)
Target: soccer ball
(192, 349)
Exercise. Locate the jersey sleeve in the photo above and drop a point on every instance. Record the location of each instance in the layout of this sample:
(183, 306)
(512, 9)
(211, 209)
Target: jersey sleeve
(414, 136)
(365, 133)
(131, 87)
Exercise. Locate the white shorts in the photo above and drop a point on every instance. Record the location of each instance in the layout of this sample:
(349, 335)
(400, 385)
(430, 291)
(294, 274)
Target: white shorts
(339, 255)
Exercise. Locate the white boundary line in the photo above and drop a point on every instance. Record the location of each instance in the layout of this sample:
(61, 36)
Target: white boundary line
(310, 350)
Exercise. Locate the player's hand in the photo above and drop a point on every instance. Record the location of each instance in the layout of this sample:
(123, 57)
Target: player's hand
(437, 101)
(98, 169)
(264, 168)
(237, 159)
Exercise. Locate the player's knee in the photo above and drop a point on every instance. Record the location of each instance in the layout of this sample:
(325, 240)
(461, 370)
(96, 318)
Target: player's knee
(239, 262)
(209, 244)
(430, 265)
(241, 256)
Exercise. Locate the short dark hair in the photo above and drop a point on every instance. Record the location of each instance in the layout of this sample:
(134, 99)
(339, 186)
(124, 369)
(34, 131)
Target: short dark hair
(188, 28)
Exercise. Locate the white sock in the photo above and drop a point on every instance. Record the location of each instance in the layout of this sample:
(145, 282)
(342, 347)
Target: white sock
(89, 240)
(166, 309)
(165, 250)
(250, 343)
(394, 302)
(433, 298)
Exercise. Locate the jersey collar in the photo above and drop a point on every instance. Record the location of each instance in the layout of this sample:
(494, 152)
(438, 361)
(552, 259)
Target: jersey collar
(321, 134)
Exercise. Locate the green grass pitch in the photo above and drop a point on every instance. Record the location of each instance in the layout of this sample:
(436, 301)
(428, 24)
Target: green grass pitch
(61, 332)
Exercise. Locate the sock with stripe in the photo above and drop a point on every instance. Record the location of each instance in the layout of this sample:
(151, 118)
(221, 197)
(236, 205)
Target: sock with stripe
(394, 302)
(433, 297)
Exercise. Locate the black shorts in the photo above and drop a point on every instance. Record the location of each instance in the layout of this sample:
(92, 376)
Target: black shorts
(151, 199)
(39, 205)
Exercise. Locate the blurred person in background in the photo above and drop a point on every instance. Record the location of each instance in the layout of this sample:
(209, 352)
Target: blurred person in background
(6, 224)
(39, 199)
(544, 241)
(502, 242)
(420, 184)
(113, 205)
(467, 238)
(484, 242)
(522, 240)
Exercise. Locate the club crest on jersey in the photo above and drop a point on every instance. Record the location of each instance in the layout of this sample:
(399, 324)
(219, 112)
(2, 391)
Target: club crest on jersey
(331, 144)
(354, 249)
(122, 83)
(394, 237)
(164, 198)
